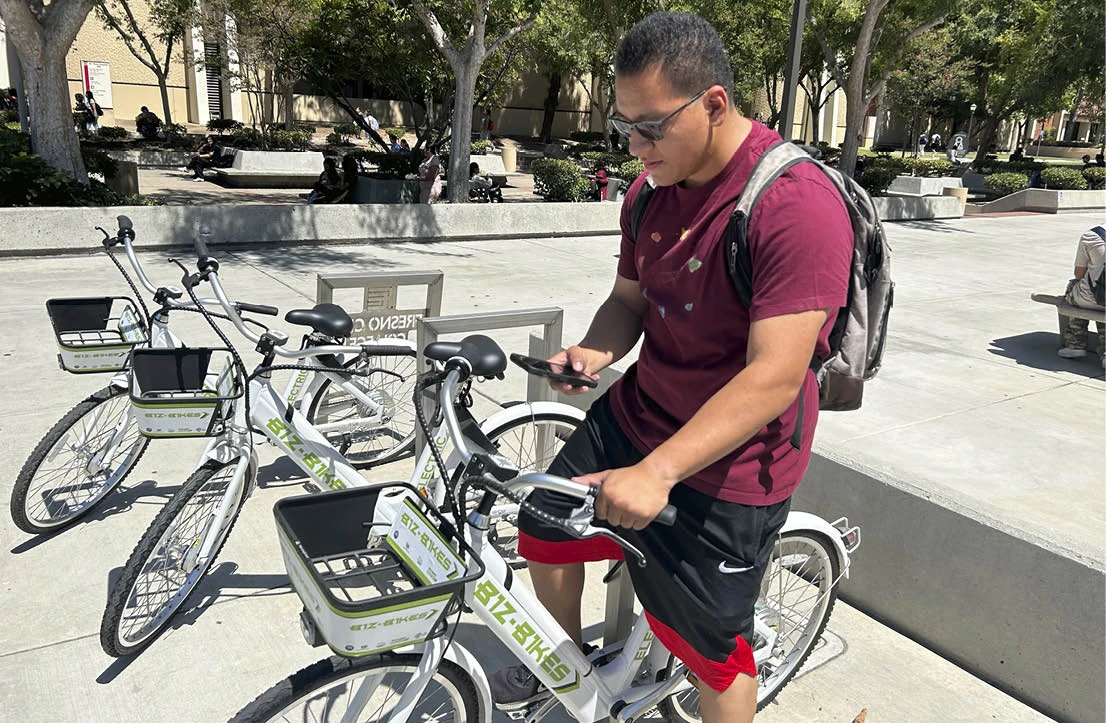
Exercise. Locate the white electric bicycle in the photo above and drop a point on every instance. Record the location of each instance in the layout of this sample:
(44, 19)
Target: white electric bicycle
(208, 393)
(93, 448)
(381, 573)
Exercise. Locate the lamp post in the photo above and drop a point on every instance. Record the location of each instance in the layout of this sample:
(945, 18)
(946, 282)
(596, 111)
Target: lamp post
(968, 145)
(791, 78)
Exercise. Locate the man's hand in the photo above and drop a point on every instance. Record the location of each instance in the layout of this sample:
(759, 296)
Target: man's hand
(577, 359)
(629, 497)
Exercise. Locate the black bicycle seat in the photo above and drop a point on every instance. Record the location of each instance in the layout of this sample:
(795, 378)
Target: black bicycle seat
(329, 319)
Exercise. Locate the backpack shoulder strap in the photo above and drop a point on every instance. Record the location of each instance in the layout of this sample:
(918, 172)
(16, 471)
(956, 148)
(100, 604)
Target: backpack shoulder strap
(1100, 231)
(771, 165)
(638, 209)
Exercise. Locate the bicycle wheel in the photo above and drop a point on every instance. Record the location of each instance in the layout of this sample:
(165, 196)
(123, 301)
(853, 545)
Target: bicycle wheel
(364, 690)
(531, 440)
(163, 570)
(796, 598)
(367, 437)
(58, 483)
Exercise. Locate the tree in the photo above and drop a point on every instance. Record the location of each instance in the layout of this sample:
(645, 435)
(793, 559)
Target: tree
(465, 59)
(1029, 55)
(166, 22)
(930, 77)
(42, 35)
(862, 49)
(817, 84)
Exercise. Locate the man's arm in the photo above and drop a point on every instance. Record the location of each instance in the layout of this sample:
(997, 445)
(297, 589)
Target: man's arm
(1080, 272)
(778, 357)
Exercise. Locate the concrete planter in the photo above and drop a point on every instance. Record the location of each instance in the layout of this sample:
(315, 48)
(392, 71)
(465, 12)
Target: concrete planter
(125, 180)
(917, 208)
(919, 186)
(1042, 200)
(153, 159)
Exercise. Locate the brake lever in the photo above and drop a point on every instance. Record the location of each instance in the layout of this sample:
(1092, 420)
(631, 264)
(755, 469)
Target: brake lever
(580, 519)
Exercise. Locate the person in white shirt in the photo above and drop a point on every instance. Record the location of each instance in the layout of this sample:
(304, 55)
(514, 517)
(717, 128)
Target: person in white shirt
(1085, 290)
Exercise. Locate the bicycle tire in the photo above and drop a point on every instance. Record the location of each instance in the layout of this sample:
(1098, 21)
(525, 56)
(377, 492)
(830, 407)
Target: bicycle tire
(503, 533)
(396, 396)
(63, 504)
(157, 556)
(683, 708)
(322, 677)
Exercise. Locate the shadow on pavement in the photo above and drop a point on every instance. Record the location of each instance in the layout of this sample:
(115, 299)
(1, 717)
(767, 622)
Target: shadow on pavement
(1037, 349)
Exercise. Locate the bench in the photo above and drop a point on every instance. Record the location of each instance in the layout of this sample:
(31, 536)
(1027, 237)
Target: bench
(272, 169)
(1065, 310)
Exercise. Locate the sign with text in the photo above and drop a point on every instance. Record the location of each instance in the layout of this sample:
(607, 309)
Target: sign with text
(379, 317)
(97, 78)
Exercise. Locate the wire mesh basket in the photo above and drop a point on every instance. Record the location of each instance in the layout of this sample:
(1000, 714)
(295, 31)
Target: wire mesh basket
(369, 584)
(187, 392)
(96, 334)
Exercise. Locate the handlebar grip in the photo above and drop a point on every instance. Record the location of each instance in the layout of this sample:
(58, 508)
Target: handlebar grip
(666, 517)
(206, 261)
(256, 308)
(125, 224)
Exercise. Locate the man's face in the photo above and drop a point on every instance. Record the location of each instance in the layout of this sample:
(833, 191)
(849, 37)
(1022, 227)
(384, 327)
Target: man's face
(648, 96)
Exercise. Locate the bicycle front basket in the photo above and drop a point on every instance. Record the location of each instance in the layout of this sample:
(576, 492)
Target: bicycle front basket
(368, 584)
(186, 392)
(96, 334)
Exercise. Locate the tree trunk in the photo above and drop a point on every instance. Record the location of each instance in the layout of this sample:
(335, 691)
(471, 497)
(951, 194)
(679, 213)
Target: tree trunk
(986, 135)
(163, 86)
(1069, 129)
(41, 43)
(551, 97)
(855, 107)
(460, 143)
(289, 100)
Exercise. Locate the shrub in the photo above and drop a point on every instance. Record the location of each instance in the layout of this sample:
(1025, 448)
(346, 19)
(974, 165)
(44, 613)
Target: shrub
(1096, 177)
(1007, 182)
(8, 116)
(587, 136)
(480, 147)
(929, 167)
(877, 177)
(609, 159)
(1060, 178)
(304, 128)
(296, 140)
(559, 180)
(219, 125)
(113, 133)
(97, 161)
(27, 180)
(343, 131)
(248, 138)
(1024, 166)
(337, 139)
(388, 165)
(392, 131)
(630, 170)
(13, 142)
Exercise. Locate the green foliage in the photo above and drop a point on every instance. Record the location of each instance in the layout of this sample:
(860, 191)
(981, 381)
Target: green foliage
(388, 165)
(219, 125)
(1068, 144)
(929, 167)
(304, 128)
(630, 170)
(1061, 178)
(27, 180)
(1023, 166)
(587, 136)
(876, 178)
(248, 138)
(336, 139)
(345, 131)
(98, 161)
(392, 131)
(1096, 177)
(480, 147)
(8, 116)
(606, 159)
(13, 142)
(296, 140)
(113, 133)
(1007, 182)
(559, 180)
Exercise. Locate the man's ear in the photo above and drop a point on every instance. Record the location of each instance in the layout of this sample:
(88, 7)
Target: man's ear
(718, 104)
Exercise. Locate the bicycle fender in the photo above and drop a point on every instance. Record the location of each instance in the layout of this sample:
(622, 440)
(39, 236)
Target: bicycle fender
(534, 408)
(798, 521)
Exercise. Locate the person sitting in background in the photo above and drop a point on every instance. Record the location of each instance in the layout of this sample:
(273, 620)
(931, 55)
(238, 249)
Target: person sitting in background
(396, 146)
(1086, 290)
(482, 187)
(207, 156)
(329, 184)
(147, 123)
(351, 173)
(1018, 154)
(1086, 162)
(1099, 160)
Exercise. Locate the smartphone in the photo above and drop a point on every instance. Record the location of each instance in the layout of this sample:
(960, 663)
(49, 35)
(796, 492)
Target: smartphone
(556, 372)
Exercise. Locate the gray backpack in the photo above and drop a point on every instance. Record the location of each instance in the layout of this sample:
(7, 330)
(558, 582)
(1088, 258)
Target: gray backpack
(857, 339)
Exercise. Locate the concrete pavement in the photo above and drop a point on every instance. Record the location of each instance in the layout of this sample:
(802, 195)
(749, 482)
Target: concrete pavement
(972, 406)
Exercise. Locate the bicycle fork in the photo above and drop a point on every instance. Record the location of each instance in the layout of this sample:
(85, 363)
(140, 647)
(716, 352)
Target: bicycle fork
(209, 535)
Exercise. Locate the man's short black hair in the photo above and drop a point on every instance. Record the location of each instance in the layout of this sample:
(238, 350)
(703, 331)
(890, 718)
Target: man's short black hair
(683, 46)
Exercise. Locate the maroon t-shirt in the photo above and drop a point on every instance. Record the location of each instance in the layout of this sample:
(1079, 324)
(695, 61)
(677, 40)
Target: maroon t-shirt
(696, 328)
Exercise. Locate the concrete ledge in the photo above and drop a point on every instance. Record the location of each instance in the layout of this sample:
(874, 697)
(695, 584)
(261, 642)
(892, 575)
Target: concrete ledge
(921, 186)
(1042, 200)
(291, 162)
(71, 230)
(153, 159)
(917, 208)
(265, 179)
(1018, 612)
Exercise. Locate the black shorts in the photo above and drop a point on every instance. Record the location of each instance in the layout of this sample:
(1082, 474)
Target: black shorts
(702, 578)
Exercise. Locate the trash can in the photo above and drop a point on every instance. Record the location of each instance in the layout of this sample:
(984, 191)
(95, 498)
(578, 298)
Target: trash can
(510, 159)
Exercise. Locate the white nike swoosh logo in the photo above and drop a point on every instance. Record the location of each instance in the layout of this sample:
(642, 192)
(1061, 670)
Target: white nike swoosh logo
(725, 567)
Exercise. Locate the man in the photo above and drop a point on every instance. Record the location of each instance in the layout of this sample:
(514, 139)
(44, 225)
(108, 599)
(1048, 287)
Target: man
(147, 123)
(706, 417)
(1090, 259)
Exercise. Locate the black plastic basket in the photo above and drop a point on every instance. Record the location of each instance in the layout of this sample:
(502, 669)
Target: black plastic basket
(96, 334)
(370, 586)
(187, 392)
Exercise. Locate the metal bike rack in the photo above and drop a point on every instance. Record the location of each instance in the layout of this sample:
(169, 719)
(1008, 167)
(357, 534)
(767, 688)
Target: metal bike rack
(379, 316)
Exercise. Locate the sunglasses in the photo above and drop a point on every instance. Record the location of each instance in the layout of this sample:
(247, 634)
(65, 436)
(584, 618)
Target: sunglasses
(652, 131)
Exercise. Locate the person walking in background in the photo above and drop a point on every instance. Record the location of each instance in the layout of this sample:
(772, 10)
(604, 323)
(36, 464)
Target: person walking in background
(82, 114)
(94, 111)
